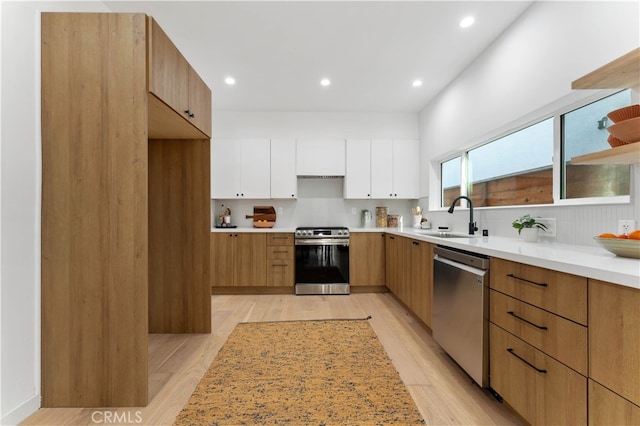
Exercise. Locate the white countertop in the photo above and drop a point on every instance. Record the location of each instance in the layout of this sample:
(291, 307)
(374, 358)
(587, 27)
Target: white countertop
(590, 262)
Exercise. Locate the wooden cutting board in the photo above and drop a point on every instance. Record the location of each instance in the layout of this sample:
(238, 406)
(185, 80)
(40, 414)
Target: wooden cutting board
(263, 213)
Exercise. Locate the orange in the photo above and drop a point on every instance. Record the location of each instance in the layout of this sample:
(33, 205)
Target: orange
(607, 235)
(623, 236)
(634, 235)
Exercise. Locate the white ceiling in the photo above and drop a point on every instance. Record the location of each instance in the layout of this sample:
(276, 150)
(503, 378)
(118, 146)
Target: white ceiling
(371, 51)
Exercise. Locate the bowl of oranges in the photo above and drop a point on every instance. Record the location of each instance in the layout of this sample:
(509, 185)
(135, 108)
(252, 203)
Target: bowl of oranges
(623, 245)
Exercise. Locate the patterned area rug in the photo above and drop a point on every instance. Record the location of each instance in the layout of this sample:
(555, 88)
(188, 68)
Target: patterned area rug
(333, 372)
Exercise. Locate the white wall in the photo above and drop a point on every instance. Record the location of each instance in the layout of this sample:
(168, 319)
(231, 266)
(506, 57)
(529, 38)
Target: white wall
(320, 201)
(529, 69)
(20, 205)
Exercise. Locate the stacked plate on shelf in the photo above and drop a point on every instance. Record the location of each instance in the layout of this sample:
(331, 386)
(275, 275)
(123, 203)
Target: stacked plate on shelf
(627, 125)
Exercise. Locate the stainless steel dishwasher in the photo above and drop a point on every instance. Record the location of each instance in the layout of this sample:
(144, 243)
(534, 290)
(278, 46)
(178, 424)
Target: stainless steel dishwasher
(461, 309)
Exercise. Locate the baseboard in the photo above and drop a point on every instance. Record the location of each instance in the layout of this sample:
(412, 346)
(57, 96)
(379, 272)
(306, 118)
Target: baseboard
(22, 411)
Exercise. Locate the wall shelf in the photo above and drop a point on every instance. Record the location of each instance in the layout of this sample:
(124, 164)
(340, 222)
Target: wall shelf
(625, 154)
(620, 73)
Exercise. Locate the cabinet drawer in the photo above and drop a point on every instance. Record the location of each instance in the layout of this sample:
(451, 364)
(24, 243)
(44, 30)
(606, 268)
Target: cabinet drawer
(539, 388)
(609, 408)
(564, 340)
(279, 252)
(563, 294)
(280, 273)
(279, 239)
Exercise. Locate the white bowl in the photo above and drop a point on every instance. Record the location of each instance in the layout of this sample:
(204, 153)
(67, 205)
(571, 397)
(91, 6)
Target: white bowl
(620, 246)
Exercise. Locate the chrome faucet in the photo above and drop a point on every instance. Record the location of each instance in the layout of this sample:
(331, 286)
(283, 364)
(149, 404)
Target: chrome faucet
(472, 225)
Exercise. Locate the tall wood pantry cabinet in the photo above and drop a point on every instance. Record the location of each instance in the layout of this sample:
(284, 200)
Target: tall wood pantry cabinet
(125, 204)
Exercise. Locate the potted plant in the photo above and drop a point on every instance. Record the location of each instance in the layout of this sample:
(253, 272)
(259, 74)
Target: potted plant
(528, 227)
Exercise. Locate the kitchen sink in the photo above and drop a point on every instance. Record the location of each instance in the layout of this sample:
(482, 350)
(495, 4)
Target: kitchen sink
(445, 234)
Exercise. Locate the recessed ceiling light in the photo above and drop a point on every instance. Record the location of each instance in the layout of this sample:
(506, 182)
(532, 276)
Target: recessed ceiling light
(467, 21)
(416, 83)
(325, 82)
(230, 81)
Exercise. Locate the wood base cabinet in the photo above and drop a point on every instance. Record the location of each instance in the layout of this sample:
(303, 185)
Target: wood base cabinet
(614, 338)
(542, 390)
(281, 260)
(125, 221)
(609, 408)
(367, 259)
(238, 259)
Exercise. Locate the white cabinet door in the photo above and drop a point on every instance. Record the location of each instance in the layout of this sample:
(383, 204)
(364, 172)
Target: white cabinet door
(381, 168)
(255, 168)
(320, 157)
(357, 178)
(284, 182)
(240, 168)
(405, 169)
(225, 168)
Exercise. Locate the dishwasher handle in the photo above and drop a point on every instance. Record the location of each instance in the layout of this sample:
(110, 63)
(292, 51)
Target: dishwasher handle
(467, 268)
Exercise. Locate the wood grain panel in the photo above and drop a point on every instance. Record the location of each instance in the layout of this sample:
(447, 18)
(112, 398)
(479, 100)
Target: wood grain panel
(557, 396)
(367, 259)
(614, 338)
(94, 210)
(620, 73)
(564, 340)
(200, 102)
(179, 233)
(608, 408)
(250, 260)
(419, 279)
(222, 254)
(560, 293)
(168, 70)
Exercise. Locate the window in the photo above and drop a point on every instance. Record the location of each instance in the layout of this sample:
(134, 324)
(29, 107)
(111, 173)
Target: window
(450, 172)
(584, 131)
(518, 168)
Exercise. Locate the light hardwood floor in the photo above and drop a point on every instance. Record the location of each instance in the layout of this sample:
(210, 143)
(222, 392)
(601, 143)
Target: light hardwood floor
(444, 394)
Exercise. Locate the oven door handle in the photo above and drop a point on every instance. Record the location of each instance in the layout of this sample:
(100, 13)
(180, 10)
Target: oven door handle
(322, 242)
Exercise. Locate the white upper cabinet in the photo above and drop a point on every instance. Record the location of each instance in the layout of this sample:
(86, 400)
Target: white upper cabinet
(240, 168)
(357, 179)
(406, 165)
(284, 182)
(394, 169)
(320, 157)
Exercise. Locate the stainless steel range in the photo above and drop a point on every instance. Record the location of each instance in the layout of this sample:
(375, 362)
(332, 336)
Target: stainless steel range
(322, 260)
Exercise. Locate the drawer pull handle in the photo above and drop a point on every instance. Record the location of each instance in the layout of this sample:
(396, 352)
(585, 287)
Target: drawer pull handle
(277, 264)
(526, 280)
(512, 352)
(280, 238)
(281, 251)
(541, 327)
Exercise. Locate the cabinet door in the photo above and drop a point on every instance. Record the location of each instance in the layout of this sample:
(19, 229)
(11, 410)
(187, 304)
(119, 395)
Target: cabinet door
(168, 71)
(225, 168)
(367, 261)
(357, 179)
(222, 249)
(255, 168)
(392, 248)
(542, 390)
(405, 169)
(614, 338)
(381, 169)
(608, 408)
(420, 280)
(250, 259)
(199, 103)
(320, 157)
(284, 182)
